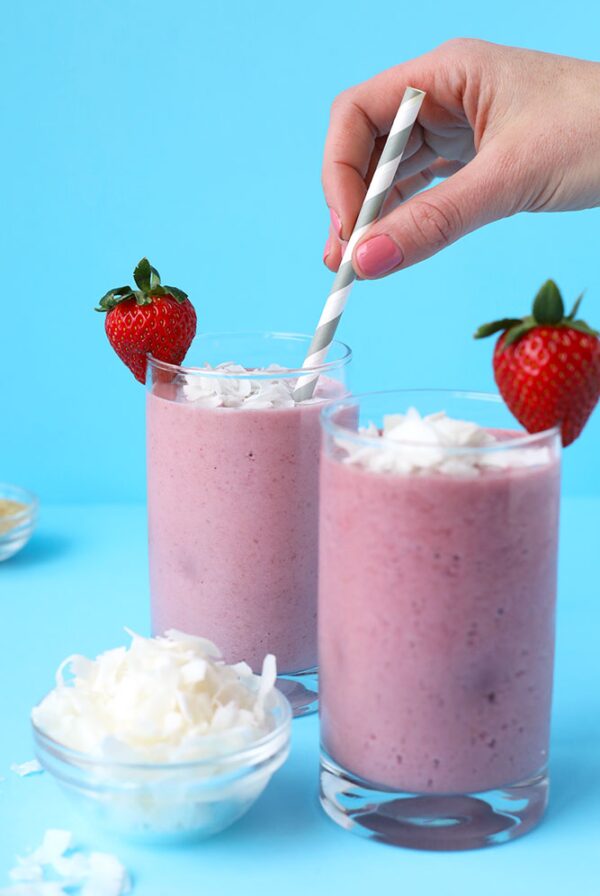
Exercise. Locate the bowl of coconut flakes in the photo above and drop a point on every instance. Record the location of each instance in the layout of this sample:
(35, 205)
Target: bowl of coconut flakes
(163, 740)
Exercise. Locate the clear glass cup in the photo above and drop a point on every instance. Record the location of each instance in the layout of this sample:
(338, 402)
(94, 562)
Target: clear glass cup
(233, 502)
(436, 624)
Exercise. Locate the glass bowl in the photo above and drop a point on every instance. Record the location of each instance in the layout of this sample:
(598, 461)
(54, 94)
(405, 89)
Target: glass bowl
(17, 525)
(170, 802)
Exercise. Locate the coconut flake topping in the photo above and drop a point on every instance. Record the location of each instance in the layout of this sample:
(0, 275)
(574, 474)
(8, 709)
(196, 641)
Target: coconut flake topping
(165, 699)
(243, 390)
(429, 444)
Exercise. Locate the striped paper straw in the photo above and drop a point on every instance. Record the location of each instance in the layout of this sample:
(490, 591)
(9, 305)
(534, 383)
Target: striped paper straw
(379, 187)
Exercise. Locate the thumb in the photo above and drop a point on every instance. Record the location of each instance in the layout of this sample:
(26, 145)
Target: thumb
(479, 193)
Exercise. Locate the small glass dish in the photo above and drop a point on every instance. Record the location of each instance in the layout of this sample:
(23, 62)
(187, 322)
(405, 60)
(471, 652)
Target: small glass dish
(171, 802)
(18, 516)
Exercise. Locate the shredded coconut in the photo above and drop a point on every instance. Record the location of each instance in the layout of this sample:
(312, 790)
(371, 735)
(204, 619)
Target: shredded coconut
(73, 871)
(31, 767)
(165, 699)
(429, 443)
(243, 391)
(54, 844)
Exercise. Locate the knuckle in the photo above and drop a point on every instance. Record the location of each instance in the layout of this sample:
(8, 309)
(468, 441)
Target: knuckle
(437, 223)
(342, 101)
(461, 46)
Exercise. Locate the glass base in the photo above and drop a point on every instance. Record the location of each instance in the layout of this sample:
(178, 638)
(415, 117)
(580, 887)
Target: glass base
(302, 690)
(431, 821)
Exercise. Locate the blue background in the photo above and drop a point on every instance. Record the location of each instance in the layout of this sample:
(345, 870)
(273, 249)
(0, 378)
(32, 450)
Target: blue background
(192, 132)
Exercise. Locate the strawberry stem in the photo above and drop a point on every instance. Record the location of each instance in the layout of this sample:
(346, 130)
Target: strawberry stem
(147, 280)
(548, 310)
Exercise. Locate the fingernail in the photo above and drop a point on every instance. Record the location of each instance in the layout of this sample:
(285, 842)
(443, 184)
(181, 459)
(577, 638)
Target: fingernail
(327, 249)
(335, 222)
(378, 255)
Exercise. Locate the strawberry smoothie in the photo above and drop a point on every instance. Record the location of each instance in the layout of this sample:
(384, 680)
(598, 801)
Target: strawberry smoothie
(436, 607)
(233, 515)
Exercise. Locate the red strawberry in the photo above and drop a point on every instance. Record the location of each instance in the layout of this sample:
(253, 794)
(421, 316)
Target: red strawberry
(154, 319)
(547, 365)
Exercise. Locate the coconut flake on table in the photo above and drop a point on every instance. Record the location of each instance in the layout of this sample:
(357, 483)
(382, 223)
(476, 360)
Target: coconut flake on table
(106, 877)
(23, 769)
(54, 844)
(164, 699)
(89, 874)
(243, 390)
(427, 443)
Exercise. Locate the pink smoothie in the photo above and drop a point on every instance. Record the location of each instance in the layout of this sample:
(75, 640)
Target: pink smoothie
(233, 526)
(436, 629)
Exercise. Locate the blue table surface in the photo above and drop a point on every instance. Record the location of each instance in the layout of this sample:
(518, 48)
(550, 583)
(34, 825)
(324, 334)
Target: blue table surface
(83, 577)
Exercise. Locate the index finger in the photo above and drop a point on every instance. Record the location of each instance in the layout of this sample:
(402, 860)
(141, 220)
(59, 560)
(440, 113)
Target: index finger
(359, 116)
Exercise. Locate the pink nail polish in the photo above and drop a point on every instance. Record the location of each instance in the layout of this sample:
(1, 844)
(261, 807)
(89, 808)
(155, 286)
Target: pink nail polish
(327, 249)
(378, 255)
(335, 222)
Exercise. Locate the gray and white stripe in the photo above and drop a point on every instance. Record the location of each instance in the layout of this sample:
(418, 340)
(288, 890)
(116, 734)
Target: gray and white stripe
(379, 187)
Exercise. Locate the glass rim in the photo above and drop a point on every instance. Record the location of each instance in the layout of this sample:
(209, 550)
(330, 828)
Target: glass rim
(258, 372)
(522, 440)
(244, 756)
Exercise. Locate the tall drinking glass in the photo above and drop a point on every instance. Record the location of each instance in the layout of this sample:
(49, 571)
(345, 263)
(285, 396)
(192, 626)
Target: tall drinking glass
(436, 624)
(233, 467)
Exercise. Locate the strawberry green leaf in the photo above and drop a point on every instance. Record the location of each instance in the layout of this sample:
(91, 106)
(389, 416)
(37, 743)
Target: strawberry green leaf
(486, 330)
(142, 275)
(178, 294)
(517, 332)
(147, 280)
(113, 297)
(548, 307)
(582, 327)
(106, 302)
(575, 307)
(107, 298)
(154, 280)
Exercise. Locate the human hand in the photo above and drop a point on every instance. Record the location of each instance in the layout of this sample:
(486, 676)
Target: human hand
(509, 130)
